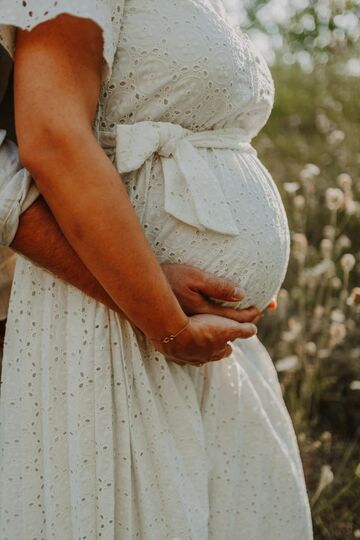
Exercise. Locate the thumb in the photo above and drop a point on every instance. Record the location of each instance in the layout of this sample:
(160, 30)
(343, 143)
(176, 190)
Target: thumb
(219, 288)
(243, 331)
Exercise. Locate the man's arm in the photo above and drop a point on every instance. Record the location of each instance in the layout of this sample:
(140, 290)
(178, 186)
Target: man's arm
(40, 239)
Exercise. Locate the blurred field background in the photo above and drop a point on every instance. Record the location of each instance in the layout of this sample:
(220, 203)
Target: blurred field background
(311, 145)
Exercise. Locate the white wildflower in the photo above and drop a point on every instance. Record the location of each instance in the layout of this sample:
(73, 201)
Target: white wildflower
(337, 333)
(295, 328)
(326, 248)
(291, 187)
(324, 268)
(357, 471)
(354, 297)
(343, 242)
(290, 363)
(326, 478)
(351, 207)
(336, 136)
(334, 198)
(355, 385)
(357, 533)
(326, 436)
(300, 245)
(310, 348)
(299, 202)
(336, 283)
(337, 316)
(309, 172)
(319, 311)
(347, 262)
(344, 181)
(329, 232)
(323, 122)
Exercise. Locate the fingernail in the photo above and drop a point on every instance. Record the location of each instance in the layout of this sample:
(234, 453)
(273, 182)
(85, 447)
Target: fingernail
(238, 293)
(254, 329)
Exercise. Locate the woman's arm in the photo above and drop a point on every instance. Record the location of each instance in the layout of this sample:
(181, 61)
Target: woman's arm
(57, 81)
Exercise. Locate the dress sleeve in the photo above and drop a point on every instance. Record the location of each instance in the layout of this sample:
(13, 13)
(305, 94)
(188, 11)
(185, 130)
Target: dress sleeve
(27, 14)
(18, 191)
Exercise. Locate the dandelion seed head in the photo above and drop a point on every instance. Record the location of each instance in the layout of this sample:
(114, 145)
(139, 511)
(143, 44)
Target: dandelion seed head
(335, 137)
(289, 363)
(300, 245)
(336, 283)
(326, 247)
(337, 316)
(337, 333)
(329, 232)
(326, 478)
(326, 436)
(343, 242)
(291, 187)
(299, 202)
(344, 181)
(309, 172)
(334, 198)
(347, 262)
(354, 297)
(310, 348)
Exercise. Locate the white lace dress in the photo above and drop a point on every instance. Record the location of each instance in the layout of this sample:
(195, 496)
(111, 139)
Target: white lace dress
(101, 437)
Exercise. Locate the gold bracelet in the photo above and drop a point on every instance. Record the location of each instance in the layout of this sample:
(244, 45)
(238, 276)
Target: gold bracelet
(167, 339)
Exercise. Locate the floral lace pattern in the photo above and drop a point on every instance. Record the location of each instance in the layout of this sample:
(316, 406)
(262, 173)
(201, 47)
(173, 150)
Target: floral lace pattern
(100, 436)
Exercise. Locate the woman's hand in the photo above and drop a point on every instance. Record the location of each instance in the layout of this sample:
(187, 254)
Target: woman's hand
(194, 288)
(205, 339)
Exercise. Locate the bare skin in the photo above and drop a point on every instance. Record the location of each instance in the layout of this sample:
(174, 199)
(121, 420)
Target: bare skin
(55, 110)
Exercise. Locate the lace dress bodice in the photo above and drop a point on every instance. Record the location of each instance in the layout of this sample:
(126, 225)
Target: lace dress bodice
(181, 63)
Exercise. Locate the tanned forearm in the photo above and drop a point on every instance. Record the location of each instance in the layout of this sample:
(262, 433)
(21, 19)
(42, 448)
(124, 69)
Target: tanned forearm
(55, 111)
(39, 238)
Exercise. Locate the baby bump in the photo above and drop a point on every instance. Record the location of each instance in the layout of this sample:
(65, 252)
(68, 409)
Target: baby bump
(256, 258)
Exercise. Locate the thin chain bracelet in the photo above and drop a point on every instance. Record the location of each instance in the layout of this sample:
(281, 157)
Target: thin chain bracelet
(167, 339)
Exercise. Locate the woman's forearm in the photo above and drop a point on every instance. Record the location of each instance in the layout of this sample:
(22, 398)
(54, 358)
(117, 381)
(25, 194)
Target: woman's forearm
(92, 207)
(55, 110)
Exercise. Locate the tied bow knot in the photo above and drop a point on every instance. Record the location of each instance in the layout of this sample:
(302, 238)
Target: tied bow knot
(193, 194)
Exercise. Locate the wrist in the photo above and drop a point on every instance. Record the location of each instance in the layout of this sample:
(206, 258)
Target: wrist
(168, 338)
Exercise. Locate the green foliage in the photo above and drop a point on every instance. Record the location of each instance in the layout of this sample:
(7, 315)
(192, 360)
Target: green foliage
(321, 28)
(311, 147)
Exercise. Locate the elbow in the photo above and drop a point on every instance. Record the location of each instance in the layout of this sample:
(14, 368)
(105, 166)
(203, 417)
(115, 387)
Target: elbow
(39, 146)
(43, 142)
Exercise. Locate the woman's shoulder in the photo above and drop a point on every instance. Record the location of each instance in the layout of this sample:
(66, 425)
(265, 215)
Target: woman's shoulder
(26, 15)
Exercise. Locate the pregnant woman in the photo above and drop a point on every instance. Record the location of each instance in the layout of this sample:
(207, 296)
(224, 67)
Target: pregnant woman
(135, 118)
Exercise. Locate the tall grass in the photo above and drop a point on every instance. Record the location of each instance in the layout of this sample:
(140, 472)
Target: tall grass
(311, 146)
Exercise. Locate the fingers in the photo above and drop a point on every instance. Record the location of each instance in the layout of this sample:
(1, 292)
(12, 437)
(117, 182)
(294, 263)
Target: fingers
(219, 288)
(251, 315)
(243, 331)
(222, 354)
(273, 305)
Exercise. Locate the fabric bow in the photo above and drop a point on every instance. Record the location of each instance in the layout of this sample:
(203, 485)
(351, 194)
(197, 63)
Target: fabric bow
(193, 194)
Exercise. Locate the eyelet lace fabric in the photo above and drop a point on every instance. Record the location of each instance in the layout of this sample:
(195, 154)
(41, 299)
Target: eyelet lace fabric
(101, 437)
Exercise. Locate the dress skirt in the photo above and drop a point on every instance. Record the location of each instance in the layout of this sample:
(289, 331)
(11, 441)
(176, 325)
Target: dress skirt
(101, 437)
